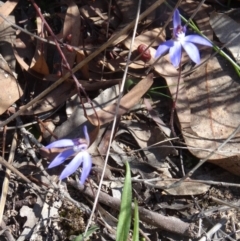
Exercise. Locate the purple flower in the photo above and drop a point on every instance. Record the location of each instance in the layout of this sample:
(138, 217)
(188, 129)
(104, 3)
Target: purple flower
(82, 157)
(179, 40)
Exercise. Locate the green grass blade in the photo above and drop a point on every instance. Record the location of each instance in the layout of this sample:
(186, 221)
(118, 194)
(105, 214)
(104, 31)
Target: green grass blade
(89, 233)
(124, 220)
(136, 222)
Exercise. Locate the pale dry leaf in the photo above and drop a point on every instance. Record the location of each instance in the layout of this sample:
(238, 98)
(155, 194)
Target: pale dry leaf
(7, 37)
(118, 153)
(52, 100)
(7, 8)
(32, 219)
(127, 102)
(8, 83)
(71, 31)
(226, 29)
(128, 13)
(24, 49)
(186, 188)
(214, 102)
(77, 119)
(152, 35)
(146, 136)
(85, 70)
(154, 115)
(107, 217)
(64, 91)
(39, 63)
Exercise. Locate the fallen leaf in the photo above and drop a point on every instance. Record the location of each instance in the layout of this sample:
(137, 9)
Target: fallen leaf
(84, 69)
(8, 83)
(154, 115)
(127, 102)
(64, 91)
(38, 61)
(226, 29)
(7, 8)
(73, 126)
(186, 188)
(7, 37)
(71, 32)
(146, 136)
(28, 213)
(24, 49)
(128, 13)
(214, 102)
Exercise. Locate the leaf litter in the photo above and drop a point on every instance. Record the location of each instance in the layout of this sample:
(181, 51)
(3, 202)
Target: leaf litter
(206, 115)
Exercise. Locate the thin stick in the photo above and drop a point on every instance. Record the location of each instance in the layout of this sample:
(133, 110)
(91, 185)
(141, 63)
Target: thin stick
(7, 176)
(214, 229)
(115, 118)
(175, 101)
(19, 174)
(170, 224)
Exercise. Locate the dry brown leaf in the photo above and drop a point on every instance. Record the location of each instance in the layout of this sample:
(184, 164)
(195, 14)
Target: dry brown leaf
(7, 8)
(214, 101)
(152, 35)
(84, 69)
(127, 102)
(71, 31)
(24, 49)
(226, 29)
(8, 83)
(186, 188)
(147, 136)
(7, 37)
(38, 61)
(128, 11)
(64, 91)
(39, 64)
(154, 115)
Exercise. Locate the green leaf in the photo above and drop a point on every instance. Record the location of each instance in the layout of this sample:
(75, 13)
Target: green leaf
(136, 222)
(89, 233)
(124, 220)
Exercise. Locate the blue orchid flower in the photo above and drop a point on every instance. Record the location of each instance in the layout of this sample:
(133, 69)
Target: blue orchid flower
(82, 156)
(179, 40)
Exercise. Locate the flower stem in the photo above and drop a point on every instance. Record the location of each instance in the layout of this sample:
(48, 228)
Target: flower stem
(175, 101)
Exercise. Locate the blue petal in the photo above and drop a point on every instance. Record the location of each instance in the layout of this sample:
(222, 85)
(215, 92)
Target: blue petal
(197, 39)
(163, 48)
(87, 165)
(72, 166)
(176, 19)
(176, 53)
(61, 143)
(86, 135)
(61, 157)
(192, 52)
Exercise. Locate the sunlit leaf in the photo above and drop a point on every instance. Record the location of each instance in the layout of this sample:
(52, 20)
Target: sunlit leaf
(136, 222)
(124, 220)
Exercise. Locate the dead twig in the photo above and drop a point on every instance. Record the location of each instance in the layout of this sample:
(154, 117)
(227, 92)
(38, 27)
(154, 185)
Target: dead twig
(170, 224)
(7, 176)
